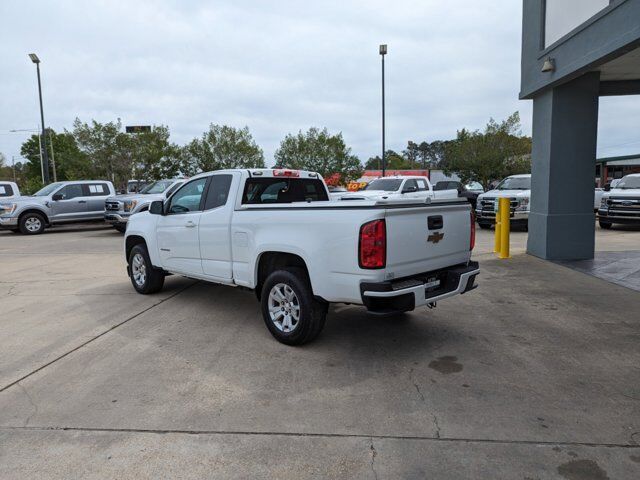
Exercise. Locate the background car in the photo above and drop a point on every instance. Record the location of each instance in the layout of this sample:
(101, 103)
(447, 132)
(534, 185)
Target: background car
(9, 190)
(462, 190)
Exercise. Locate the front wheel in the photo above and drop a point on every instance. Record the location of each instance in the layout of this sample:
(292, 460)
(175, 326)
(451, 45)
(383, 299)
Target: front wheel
(145, 278)
(31, 223)
(291, 313)
(605, 225)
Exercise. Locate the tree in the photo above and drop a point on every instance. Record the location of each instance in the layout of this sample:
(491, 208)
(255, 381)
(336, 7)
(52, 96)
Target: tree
(220, 147)
(393, 161)
(110, 150)
(432, 155)
(411, 153)
(498, 151)
(70, 162)
(318, 151)
(154, 157)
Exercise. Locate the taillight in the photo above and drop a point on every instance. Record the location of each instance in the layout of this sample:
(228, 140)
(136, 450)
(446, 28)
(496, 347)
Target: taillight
(372, 248)
(472, 240)
(286, 173)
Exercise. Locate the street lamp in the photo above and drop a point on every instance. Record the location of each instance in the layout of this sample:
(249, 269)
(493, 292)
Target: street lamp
(45, 157)
(383, 52)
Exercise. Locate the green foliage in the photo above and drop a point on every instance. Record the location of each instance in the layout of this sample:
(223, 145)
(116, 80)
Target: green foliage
(498, 151)
(318, 151)
(219, 148)
(393, 161)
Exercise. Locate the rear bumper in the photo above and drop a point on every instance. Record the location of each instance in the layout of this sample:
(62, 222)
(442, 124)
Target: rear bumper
(8, 222)
(405, 294)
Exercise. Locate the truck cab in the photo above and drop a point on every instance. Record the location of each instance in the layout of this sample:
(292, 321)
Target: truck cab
(407, 187)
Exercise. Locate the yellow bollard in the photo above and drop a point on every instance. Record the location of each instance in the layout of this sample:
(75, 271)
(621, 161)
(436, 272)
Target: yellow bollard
(498, 238)
(505, 226)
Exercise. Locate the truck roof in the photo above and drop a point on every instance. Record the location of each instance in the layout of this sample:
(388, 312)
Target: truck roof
(267, 173)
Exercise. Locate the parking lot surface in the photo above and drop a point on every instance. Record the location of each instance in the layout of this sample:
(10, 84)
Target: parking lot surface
(534, 375)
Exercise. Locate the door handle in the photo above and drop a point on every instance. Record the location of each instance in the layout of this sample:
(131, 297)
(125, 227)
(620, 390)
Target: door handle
(82, 201)
(190, 224)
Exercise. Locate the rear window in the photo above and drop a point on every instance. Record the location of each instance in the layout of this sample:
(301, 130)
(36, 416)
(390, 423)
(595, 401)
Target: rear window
(259, 191)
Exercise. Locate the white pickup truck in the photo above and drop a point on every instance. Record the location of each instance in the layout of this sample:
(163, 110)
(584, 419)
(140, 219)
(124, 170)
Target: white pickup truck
(276, 232)
(399, 187)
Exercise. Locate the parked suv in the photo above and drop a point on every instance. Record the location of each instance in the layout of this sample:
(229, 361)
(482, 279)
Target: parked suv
(622, 203)
(60, 202)
(515, 187)
(8, 190)
(118, 209)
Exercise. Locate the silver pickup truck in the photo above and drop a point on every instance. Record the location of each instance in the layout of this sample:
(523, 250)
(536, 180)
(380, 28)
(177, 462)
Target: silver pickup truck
(118, 209)
(60, 202)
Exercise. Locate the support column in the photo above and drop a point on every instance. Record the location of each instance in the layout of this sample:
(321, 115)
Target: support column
(565, 129)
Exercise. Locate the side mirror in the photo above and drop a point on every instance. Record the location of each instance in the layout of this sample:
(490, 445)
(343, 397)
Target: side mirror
(410, 190)
(56, 197)
(156, 208)
(607, 187)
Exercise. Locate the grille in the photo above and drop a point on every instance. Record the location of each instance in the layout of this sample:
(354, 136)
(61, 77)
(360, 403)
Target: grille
(488, 205)
(112, 206)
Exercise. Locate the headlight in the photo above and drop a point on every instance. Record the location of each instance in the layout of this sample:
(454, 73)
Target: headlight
(7, 208)
(130, 205)
(523, 205)
(603, 202)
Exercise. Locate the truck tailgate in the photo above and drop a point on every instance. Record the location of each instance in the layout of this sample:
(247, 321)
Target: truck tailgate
(427, 238)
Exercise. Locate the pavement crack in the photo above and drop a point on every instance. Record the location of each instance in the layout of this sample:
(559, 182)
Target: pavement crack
(33, 404)
(424, 400)
(374, 453)
(92, 339)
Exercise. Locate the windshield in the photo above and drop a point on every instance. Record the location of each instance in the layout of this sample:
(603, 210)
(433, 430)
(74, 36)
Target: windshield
(515, 183)
(629, 182)
(474, 186)
(48, 190)
(157, 187)
(385, 184)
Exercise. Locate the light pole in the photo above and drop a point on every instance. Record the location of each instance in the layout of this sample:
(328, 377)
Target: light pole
(39, 146)
(383, 52)
(45, 156)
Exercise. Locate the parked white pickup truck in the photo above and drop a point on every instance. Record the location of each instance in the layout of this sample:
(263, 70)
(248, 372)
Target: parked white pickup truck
(621, 204)
(276, 232)
(399, 187)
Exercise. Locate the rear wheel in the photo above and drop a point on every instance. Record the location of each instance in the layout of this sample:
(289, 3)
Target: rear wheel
(291, 313)
(145, 278)
(31, 223)
(605, 225)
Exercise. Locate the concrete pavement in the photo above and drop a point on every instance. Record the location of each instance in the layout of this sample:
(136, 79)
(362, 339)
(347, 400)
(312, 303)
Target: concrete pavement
(529, 376)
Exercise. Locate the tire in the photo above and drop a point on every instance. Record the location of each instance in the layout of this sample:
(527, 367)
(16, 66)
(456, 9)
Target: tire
(605, 225)
(484, 226)
(289, 289)
(32, 223)
(120, 228)
(145, 278)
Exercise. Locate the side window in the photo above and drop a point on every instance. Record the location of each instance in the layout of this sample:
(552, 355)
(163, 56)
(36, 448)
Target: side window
(218, 191)
(188, 198)
(6, 191)
(422, 185)
(96, 189)
(410, 185)
(71, 191)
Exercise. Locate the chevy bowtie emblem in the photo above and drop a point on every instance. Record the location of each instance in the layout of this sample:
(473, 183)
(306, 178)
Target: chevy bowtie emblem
(435, 237)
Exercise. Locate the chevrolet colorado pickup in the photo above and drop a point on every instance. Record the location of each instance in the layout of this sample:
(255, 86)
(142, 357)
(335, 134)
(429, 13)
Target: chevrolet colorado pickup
(276, 232)
(622, 203)
(57, 203)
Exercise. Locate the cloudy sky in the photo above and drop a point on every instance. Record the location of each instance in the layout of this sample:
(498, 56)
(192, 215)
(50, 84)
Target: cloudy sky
(276, 66)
